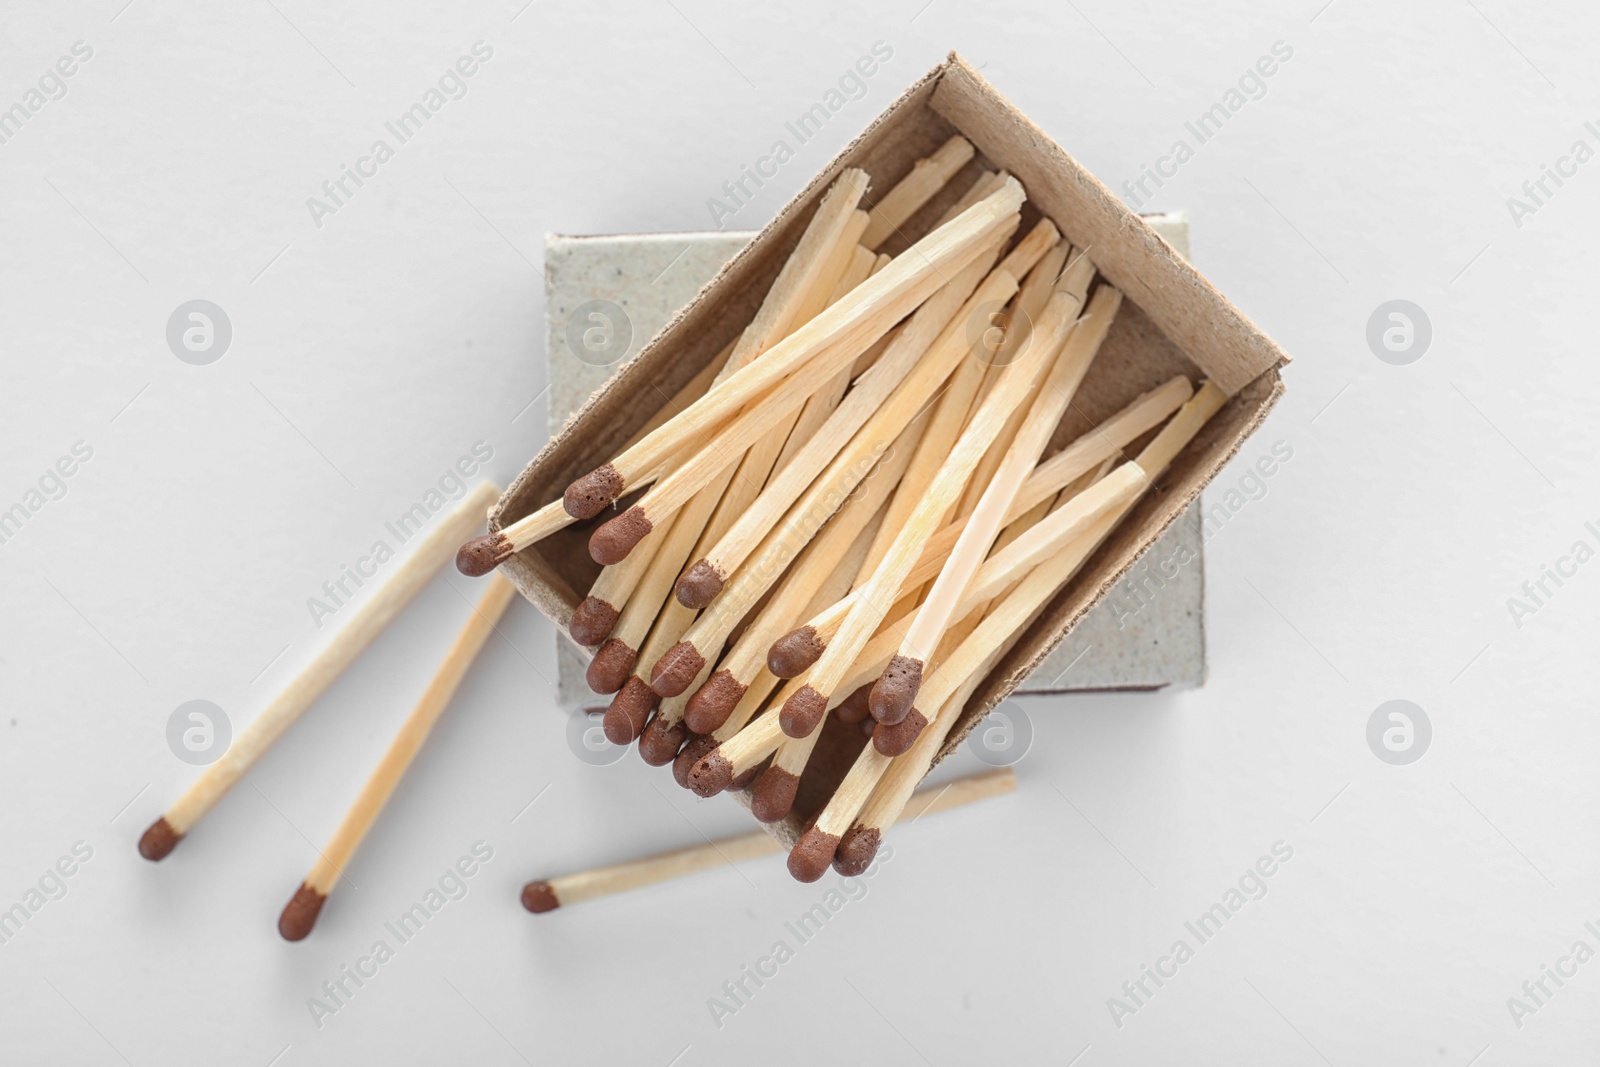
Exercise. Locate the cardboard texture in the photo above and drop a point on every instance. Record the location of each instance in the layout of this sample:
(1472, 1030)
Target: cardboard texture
(1173, 321)
(1149, 632)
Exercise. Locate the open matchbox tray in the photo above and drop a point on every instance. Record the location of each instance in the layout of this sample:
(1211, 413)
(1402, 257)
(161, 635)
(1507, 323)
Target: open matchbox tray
(1172, 321)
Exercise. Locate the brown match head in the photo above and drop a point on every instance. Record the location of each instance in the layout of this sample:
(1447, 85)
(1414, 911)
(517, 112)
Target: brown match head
(711, 774)
(802, 712)
(481, 555)
(693, 753)
(677, 669)
(896, 740)
(592, 621)
(630, 708)
(896, 690)
(611, 666)
(713, 702)
(300, 914)
(854, 708)
(699, 585)
(857, 850)
(796, 650)
(661, 740)
(811, 855)
(593, 493)
(540, 897)
(773, 794)
(867, 726)
(611, 543)
(159, 841)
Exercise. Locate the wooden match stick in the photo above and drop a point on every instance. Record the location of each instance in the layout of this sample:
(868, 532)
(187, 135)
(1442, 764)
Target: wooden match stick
(821, 256)
(878, 594)
(820, 572)
(986, 183)
(814, 851)
(1024, 600)
(874, 412)
(959, 670)
(596, 615)
(366, 622)
(822, 347)
(954, 408)
(548, 894)
(794, 652)
(1019, 318)
(840, 332)
(770, 566)
(927, 177)
(300, 914)
(894, 693)
(891, 798)
(821, 260)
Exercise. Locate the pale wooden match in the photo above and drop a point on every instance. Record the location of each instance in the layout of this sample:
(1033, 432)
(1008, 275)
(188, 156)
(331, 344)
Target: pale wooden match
(300, 914)
(368, 620)
(549, 894)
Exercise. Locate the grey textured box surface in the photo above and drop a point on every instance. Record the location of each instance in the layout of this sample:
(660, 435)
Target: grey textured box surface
(1149, 633)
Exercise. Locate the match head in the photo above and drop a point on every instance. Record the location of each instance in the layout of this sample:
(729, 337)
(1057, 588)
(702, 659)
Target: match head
(711, 774)
(792, 653)
(159, 841)
(300, 914)
(857, 849)
(611, 666)
(611, 543)
(802, 712)
(660, 742)
(897, 740)
(896, 690)
(629, 709)
(741, 783)
(593, 493)
(699, 585)
(811, 855)
(713, 702)
(481, 555)
(773, 794)
(854, 708)
(867, 727)
(677, 669)
(539, 897)
(692, 754)
(592, 621)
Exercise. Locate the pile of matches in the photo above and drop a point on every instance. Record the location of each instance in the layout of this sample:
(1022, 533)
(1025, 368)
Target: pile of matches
(850, 510)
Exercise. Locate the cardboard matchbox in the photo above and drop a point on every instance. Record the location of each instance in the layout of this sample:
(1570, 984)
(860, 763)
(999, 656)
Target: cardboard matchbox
(1172, 321)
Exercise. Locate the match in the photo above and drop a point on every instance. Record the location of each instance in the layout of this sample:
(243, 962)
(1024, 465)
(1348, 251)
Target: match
(370, 619)
(300, 914)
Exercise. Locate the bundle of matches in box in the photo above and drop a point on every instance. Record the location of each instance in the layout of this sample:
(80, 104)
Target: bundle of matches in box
(850, 509)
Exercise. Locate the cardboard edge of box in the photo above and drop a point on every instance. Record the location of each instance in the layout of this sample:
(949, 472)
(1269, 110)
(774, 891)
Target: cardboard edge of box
(1209, 330)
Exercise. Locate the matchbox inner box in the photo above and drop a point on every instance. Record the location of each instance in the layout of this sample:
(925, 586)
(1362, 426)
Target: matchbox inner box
(1172, 321)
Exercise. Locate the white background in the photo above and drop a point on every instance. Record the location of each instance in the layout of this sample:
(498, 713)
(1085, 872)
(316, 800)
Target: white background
(368, 354)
